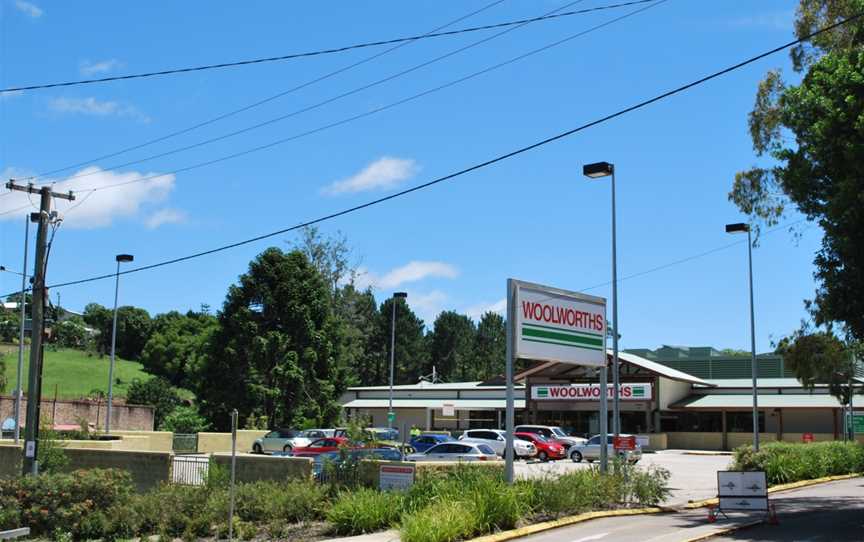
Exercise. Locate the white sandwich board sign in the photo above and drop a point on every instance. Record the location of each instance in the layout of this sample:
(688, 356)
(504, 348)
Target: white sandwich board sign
(556, 325)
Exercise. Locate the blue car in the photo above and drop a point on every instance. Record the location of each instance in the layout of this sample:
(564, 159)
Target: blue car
(421, 443)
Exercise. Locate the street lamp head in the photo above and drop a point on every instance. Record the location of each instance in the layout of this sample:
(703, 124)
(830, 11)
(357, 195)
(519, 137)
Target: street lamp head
(737, 228)
(403, 295)
(124, 258)
(598, 169)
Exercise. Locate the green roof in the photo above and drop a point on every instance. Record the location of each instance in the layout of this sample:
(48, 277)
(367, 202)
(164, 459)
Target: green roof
(745, 401)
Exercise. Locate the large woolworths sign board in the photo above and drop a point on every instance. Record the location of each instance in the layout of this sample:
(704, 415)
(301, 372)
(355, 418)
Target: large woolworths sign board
(590, 392)
(557, 325)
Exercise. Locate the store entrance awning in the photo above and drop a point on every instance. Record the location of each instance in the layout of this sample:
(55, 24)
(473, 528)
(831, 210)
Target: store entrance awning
(458, 404)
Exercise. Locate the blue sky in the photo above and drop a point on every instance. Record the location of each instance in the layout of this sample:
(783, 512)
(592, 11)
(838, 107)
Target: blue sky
(453, 246)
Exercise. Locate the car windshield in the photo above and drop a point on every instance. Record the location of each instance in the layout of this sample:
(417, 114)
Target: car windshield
(558, 432)
(486, 449)
(540, 438)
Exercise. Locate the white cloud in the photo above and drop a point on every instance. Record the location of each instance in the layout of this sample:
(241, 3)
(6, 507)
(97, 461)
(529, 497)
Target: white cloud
(384, 173)
(99, 108)
(29, 9)
(165, 216)
(88, 68)
(411, 272)
(100, 208)
(476, 311)
(427, 305)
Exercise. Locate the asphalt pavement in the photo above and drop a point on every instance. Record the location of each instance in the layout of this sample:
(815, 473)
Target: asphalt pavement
(829, 512)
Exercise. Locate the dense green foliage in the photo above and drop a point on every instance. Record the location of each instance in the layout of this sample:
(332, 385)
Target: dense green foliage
(133, 329)
(184, 419)
(786, 462)
(272, 352)
(177, 344)
(820, 358)
(812, 136)
(71, 333)
(156, 392)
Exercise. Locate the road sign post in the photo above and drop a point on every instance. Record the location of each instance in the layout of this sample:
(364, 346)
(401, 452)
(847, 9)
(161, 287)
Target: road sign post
(551, 324)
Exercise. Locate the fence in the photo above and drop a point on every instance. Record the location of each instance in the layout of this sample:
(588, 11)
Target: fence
(190, 470)
(185, 443)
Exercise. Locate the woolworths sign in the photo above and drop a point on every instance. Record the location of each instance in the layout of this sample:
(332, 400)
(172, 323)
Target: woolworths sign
(590, 392)
(557, 325)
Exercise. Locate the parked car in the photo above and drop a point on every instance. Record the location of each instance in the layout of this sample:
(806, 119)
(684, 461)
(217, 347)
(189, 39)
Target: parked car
(423, 442)
(279, 440)
(546, 448)
(320, 446)
(551, 432)
(590, 451)
(337, 459)
(313, 434)
(456, 451)
(380, 433)
(494, 438)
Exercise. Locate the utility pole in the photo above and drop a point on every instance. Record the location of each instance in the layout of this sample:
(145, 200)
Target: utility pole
(34, 383)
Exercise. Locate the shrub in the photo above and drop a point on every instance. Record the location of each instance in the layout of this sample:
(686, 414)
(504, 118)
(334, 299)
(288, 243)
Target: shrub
(788, 462)
(445, 522)
(169, 509)
(364, 511)
(267, 501)
(184, 419)
(66, 502)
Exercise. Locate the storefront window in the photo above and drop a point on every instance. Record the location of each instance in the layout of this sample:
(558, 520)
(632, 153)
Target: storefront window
(742, 422)
(698, 422)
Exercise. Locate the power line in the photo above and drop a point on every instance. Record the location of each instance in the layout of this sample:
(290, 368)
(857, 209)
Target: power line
(474, 167)
(265, 100)
(310, 53)
(317, 105)
(376, 110)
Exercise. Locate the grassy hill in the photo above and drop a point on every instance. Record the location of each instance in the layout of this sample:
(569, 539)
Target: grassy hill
(75, 373)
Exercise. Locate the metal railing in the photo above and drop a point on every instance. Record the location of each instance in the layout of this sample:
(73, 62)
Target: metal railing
(190, 469)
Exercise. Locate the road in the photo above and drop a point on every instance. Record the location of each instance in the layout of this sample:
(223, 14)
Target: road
(833, 511)
(694, 477)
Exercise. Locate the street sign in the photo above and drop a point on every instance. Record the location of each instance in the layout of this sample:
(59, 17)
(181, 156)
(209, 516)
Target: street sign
(391, 417)
(398, 477)
(624, 443)
(448, 410)
(741, 491)
(858, 423)
(590, 392)
(557, 325)
(807, 437)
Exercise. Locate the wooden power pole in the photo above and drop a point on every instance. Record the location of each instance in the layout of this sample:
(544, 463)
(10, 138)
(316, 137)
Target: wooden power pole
(34, 378)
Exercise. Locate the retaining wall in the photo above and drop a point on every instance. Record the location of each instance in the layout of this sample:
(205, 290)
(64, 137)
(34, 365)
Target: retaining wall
(252, 468)
(221, 442)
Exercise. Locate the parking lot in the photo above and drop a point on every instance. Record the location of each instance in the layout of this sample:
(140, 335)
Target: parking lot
(694, 477)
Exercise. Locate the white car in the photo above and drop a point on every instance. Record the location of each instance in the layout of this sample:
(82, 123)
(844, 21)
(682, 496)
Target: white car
(456, 451)
(313, 434)
(552, 432)
(494, 438)
(280, 440)
(590, 451)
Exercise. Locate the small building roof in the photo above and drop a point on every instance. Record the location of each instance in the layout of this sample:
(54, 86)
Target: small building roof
(726, 383)
(745, 401)
(659, 368)
(437, 386)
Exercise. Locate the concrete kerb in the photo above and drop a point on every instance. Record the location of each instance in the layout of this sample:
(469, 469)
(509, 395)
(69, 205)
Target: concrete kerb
(724, 530)
(563, 522)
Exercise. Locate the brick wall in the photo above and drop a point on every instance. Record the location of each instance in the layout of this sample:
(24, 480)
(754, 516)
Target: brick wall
(123, 417)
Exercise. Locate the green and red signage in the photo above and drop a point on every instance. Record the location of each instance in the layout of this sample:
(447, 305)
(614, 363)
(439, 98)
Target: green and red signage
(557, 325)
(590, 392)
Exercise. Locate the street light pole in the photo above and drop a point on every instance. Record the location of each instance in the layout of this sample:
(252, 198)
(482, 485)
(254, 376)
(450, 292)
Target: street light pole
(22, 301)
(741, 228)
(596, 171)
(120, 258)
(391, 416)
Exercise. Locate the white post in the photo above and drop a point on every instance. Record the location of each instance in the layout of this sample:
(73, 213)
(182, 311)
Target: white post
(19, 392)
(113, 344)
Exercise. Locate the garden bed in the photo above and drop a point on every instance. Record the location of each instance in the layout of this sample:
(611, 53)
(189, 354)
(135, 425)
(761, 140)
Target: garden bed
(786, 462)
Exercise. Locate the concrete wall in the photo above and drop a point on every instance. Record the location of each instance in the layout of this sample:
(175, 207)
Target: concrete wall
(810, 421)
(148, 469)
(369, 470)
(221, 442)
(127, 417)
(10, 459)
(252, 468)
(153, 441)
(680, 440)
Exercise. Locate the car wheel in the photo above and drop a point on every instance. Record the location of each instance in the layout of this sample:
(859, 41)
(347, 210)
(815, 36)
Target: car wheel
(287, 448)
(256, 449)
(576, 457)
(543, 456)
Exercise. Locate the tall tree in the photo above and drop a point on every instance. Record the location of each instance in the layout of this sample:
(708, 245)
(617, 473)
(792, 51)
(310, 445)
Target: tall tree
(361, 348)
(452, 347)
(272, 353)
(491, 345)
(411, 356)
(820, 358)
(329, 255)
(133, 329)
(812, 133)
(176, 346)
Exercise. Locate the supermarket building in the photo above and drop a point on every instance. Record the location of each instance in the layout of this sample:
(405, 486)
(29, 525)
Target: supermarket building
(676, 397)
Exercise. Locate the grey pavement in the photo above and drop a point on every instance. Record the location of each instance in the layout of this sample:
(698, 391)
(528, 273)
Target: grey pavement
(833, 511)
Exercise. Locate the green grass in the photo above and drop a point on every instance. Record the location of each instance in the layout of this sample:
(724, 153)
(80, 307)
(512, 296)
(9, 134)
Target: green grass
(74, 372)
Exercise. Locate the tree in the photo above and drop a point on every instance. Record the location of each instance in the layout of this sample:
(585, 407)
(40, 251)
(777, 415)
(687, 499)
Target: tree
(361, 349)
(820, 358)
(411, 354)
(100, 319)
(818, 169)
(176, 345)
(490, 347)
(328, 255)
(452, 347)
(272, 352)
(184, 419)
(70, 333)
(155, 392)
(133, 329)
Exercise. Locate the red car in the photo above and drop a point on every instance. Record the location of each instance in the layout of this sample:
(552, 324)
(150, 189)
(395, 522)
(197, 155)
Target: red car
(546, 448)
(320, 446)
